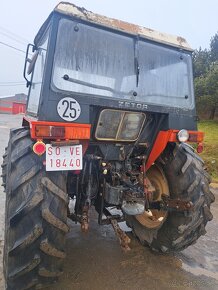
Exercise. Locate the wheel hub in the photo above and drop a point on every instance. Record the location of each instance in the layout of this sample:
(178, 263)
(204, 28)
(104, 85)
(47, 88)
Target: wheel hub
(157, 181)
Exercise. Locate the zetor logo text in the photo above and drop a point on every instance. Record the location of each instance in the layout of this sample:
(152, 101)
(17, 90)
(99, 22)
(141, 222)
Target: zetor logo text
(133, 105)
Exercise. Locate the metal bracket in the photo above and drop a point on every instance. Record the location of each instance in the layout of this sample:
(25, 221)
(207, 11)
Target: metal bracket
(176, 204)
(171, 204)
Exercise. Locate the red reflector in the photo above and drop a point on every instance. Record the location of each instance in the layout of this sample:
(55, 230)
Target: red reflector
(39, 148)
(200, 148)
(57, 132)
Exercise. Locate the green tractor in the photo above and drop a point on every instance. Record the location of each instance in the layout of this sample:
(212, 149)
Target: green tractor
(109, 122)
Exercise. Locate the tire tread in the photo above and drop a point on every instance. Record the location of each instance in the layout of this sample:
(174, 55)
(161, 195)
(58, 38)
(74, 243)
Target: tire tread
(27, 248)
(188, 181)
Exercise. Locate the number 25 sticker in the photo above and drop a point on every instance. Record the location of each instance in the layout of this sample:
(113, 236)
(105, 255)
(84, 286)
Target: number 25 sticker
(68, 109)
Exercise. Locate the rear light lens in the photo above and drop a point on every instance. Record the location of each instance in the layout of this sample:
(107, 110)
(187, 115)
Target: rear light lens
(183, 135)
(193, 137)
(57, 131)
(50, 131)
(42, 131)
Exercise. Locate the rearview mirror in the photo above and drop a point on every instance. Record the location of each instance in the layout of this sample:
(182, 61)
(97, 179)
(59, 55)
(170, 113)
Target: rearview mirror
(31, 60)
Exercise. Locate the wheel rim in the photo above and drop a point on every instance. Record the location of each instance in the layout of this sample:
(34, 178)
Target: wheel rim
(154, 218)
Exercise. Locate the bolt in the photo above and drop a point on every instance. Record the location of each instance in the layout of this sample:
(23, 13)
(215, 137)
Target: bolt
(66, 77)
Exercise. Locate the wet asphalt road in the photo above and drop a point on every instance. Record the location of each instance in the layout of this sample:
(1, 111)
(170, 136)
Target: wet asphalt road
(95, 260)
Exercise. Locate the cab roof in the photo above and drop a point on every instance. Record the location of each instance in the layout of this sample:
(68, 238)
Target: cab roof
(74, 11)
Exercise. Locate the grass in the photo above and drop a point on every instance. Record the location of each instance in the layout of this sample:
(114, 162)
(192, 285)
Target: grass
(210, 153)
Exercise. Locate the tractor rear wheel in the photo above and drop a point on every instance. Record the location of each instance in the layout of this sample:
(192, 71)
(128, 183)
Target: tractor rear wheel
(180, 174)
(36, 215)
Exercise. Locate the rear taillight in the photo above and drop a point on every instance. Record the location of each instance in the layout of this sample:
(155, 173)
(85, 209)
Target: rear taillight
(49, 131)
(196, 136)
(63, 131)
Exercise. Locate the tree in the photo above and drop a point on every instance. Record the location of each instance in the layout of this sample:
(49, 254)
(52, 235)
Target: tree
(212, 88)
(200, 86)
(205, 64)
(201, 62)
(214, 48)
(206, 90)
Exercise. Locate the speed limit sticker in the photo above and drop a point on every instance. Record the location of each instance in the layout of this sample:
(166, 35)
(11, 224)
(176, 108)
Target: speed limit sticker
(69, 109)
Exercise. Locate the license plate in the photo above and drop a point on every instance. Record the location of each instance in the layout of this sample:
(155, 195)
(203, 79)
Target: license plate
(63, 157)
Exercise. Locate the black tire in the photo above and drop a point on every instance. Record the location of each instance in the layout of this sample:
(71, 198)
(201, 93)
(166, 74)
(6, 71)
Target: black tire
(187, 180)
(4, 167)
(35, 220)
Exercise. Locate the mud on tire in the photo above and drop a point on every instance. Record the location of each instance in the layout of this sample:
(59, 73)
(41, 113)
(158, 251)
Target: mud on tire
(187, 180)
(36, 214)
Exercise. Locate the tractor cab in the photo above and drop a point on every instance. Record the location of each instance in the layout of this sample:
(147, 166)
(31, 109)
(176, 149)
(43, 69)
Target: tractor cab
(84, 62)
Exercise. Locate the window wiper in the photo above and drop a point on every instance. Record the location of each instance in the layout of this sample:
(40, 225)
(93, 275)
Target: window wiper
(137, 71)
(76, 81)
(137, 68)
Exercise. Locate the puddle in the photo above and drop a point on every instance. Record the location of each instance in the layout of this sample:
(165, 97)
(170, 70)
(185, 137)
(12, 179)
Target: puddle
(197, 271)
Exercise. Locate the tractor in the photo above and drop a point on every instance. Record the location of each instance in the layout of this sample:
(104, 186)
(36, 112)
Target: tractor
(110, 124)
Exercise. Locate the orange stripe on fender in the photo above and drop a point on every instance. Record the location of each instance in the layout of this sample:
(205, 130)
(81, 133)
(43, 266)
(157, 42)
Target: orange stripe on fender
(164, 137)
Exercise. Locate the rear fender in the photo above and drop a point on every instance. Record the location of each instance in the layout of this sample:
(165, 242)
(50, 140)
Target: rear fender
(164, 137)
